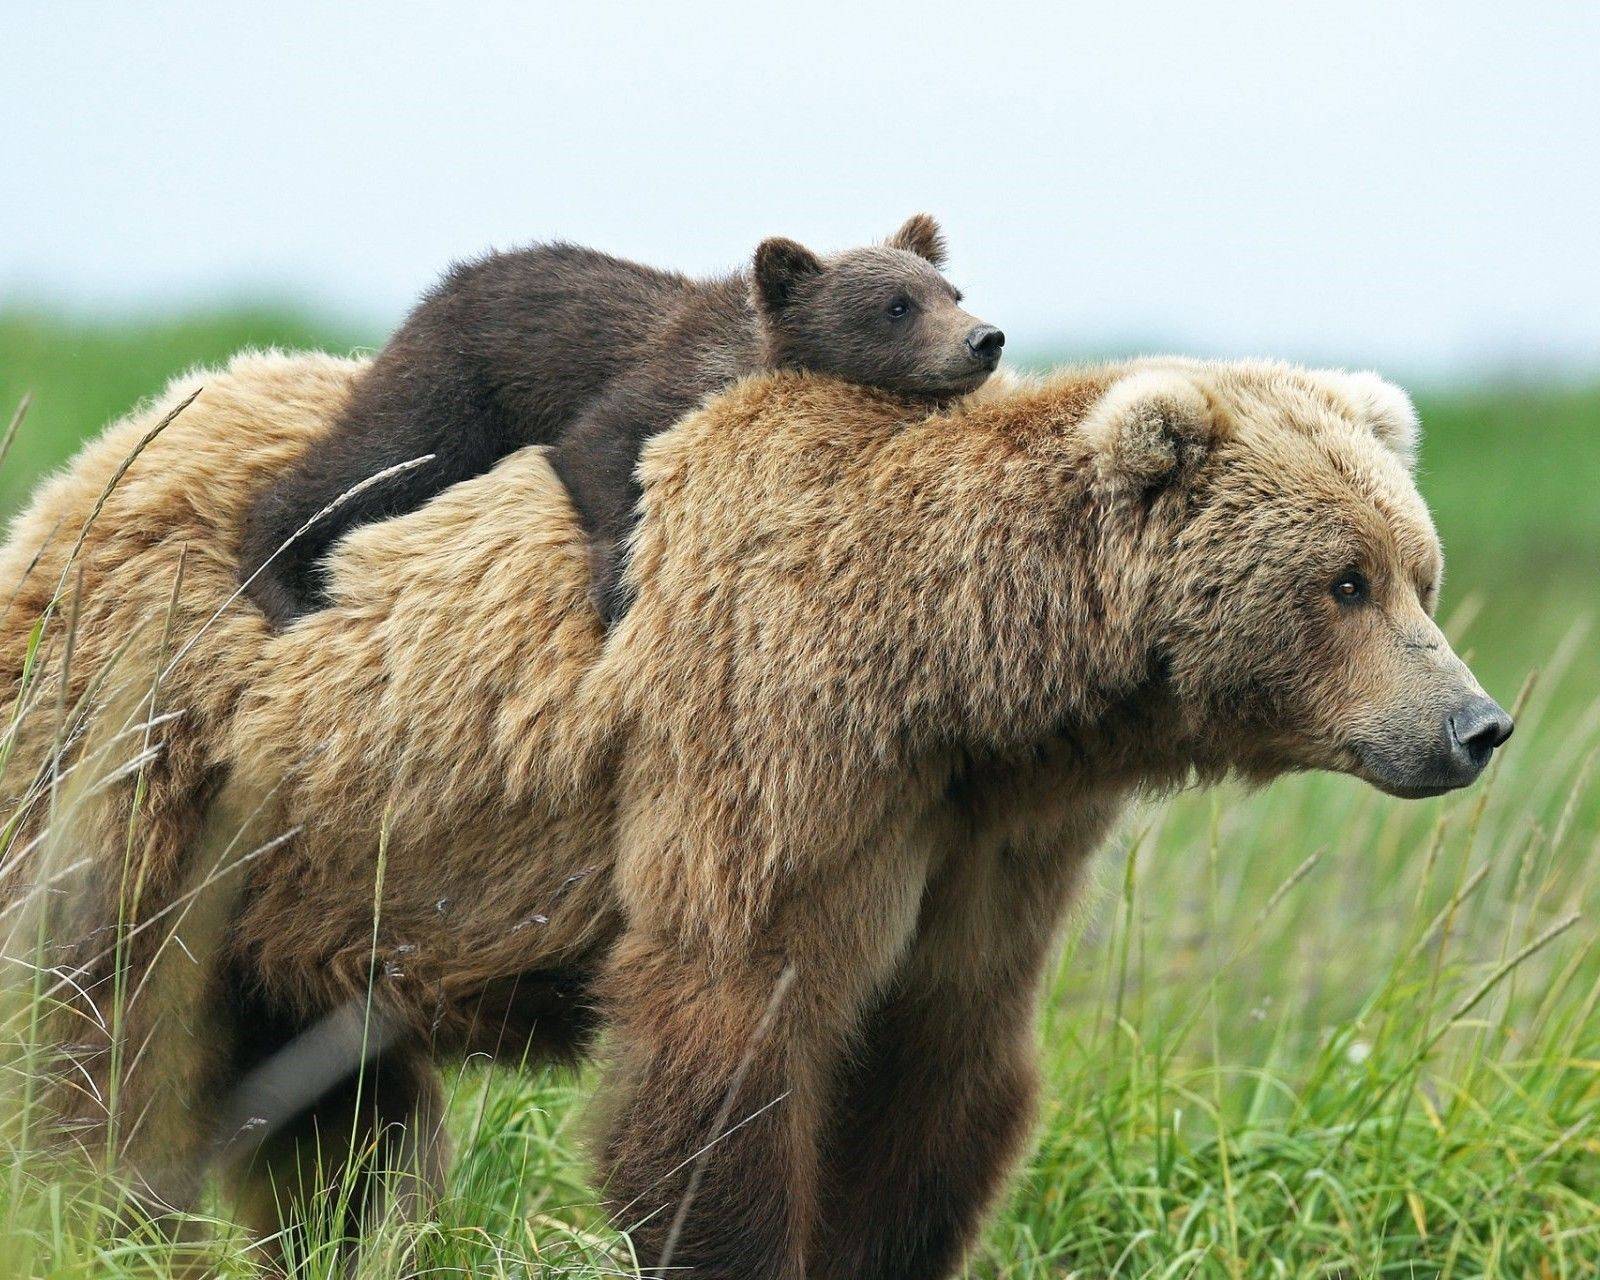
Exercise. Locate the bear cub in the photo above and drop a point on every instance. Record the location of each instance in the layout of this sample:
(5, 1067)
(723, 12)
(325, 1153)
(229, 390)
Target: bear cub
(565, 346)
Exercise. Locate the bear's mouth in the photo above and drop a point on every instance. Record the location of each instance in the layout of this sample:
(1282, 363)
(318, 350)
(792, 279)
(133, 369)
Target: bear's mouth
(961, 385)
(1401, 792)
(1373, 769)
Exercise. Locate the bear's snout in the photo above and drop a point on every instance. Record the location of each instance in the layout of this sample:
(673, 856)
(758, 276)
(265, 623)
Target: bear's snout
(984, 343)
(1476, 729)
(1461, 745)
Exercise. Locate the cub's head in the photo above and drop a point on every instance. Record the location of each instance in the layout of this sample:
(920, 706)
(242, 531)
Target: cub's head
(881, 316)
(1293, 572)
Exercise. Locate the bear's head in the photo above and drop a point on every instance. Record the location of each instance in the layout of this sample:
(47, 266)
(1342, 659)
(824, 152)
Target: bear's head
(1291, 572)
(881, 316)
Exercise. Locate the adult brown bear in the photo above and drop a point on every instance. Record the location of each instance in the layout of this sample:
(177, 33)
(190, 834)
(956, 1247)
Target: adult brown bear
(799, 832)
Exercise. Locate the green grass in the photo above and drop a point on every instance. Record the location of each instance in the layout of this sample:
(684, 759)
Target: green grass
(1304, 1032)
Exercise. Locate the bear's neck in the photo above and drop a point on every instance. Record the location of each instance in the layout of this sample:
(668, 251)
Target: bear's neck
(830, 576)
(1064, 594)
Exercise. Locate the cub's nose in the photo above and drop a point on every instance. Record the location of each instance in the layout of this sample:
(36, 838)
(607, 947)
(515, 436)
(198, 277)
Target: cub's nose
(1476, 729)
(985, 342)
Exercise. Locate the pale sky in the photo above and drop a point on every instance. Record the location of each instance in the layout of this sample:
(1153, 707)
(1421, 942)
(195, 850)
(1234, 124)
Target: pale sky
(1410, 185)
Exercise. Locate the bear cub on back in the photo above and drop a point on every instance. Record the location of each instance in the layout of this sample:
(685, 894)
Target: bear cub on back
(565, 346)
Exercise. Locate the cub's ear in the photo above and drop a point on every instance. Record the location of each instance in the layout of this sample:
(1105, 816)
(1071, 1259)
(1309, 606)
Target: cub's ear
(920, 234)
(1147, 427)
(1384, 407)
(781, 264)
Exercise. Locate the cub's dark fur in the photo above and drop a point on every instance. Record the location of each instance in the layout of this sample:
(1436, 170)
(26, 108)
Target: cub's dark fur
(569, 347)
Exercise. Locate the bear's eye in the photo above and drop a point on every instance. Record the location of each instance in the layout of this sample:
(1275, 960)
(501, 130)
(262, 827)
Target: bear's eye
(1351, 588)
(899, 308)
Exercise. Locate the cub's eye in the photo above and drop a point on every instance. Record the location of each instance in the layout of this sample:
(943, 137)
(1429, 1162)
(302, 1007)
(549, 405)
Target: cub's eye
(1351, 588)
(899, 309)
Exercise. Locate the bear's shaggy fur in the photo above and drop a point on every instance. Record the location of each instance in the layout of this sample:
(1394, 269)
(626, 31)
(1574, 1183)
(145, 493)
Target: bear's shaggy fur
(799, 833)
(564, 346)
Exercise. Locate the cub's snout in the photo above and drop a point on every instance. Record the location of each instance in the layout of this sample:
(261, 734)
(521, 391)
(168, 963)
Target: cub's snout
(984, 344)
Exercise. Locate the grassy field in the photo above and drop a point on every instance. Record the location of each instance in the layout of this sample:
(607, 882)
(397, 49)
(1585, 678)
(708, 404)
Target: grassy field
(1305, 1032)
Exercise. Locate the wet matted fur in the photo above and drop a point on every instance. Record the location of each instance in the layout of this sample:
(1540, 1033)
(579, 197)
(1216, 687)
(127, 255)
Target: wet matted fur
(799, 833)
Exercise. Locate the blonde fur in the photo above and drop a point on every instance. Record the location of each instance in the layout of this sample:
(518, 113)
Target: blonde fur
(889, 678)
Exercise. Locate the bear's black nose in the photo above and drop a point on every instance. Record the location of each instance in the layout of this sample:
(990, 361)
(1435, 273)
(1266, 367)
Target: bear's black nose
(1477, 728)
(985, 342)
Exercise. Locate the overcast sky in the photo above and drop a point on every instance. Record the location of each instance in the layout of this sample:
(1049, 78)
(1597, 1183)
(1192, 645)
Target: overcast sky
(1414, 185)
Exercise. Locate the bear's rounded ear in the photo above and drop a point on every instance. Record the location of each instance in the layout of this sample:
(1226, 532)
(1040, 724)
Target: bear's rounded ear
(1385, 408)
(781, 264)
(1147, 427)
(920, 234)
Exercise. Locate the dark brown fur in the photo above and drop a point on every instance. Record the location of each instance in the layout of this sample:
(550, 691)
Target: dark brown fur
(564, 346)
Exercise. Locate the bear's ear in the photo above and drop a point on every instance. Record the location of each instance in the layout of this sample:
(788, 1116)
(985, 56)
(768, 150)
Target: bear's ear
(1147, 427)
(781, 264)
(920, 234)
(1385, 408)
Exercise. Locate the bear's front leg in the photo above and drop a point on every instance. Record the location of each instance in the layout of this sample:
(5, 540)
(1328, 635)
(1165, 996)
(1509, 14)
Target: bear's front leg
(935, 1105)
(932, 1115)
(725, 1066)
